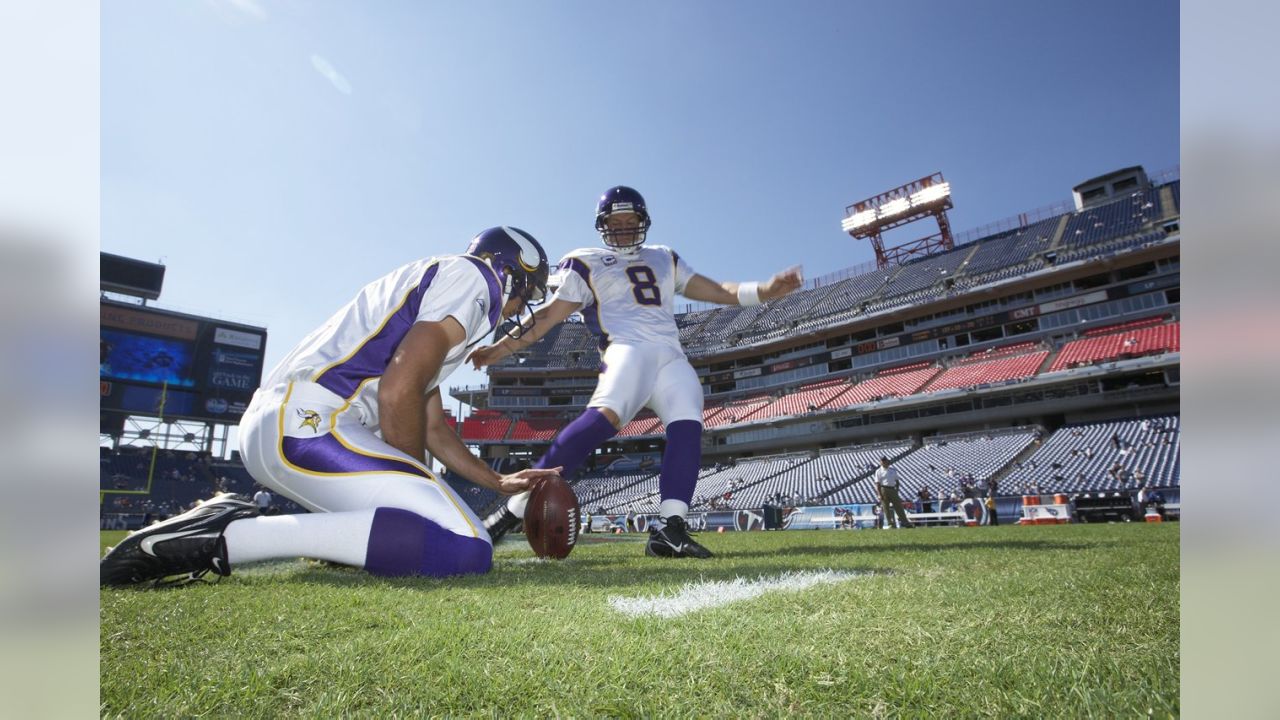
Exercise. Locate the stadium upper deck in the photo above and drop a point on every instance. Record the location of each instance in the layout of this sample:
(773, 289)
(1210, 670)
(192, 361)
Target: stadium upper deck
(1130, 223)
(1039, 304)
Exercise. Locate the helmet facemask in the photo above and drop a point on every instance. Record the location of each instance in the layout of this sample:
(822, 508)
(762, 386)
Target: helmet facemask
(532, 290)
(624, 240)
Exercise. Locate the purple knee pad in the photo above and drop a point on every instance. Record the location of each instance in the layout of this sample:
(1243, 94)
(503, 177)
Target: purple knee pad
(405, 543)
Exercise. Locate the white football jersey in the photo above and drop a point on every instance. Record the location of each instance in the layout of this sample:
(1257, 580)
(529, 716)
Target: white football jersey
(626, 298)
(348, 354)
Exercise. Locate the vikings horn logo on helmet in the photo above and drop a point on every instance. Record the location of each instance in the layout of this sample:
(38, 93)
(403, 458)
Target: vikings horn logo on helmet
(527, 249)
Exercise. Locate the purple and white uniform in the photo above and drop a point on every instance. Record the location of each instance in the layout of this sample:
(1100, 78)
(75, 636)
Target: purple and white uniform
(312, 431)
(629, 301)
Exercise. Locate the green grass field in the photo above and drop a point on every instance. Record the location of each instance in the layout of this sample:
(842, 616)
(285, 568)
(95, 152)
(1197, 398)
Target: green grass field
(1046, 621)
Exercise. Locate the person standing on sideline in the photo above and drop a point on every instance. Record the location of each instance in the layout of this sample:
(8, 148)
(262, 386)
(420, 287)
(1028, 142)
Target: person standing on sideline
(262, 499)
(342, 426)
(925, 496)
(626, 291)
(887, 482)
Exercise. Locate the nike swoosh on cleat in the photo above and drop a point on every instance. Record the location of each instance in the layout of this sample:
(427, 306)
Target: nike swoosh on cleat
(148, 543)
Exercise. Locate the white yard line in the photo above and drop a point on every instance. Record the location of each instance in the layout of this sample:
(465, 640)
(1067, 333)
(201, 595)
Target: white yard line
(717, 593)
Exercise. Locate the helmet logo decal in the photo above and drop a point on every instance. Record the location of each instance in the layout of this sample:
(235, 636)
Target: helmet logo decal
(527, 249)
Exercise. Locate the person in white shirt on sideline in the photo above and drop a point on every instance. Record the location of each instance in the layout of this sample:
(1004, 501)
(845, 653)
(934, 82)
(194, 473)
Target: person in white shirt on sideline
(887, 483)
(262, 499)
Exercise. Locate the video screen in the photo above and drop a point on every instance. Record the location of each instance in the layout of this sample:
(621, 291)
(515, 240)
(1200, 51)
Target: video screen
(141, 358)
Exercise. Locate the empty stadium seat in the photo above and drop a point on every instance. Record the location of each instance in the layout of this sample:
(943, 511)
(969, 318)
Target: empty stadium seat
(984, 372)
(1133, 342)
(1077, 458)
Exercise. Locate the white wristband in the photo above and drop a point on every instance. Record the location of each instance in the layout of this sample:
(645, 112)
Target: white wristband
(749, 293)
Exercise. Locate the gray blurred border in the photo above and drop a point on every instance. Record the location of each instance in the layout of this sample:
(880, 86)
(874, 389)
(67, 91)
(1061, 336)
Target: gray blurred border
(48, 293)
(1230, 353)
(49, 238)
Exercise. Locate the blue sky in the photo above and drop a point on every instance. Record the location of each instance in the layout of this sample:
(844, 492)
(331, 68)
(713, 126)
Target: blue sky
(279, 155)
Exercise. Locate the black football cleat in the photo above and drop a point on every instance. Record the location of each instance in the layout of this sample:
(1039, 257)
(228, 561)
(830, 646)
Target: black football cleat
(190, 544)
(673, 541)
(501, 522)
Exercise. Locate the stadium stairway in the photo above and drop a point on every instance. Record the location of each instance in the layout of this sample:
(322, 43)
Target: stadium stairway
(1014, 462)
(1056, 241)
(1048, 361)
(1168, 207)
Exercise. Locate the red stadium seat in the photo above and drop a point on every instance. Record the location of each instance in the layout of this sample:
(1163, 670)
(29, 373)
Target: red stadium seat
(1124, 344)
(1000, 369)
(537, 428)
(894, 382)
(485, 425)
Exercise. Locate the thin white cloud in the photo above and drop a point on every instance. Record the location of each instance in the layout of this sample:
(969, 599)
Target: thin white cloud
(248, 7)
(323, 67)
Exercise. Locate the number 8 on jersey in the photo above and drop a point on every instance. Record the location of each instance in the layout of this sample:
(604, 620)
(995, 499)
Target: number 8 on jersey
(644, 286)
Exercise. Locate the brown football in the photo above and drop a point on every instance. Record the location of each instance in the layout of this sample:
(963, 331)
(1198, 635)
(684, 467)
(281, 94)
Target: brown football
(551, 518)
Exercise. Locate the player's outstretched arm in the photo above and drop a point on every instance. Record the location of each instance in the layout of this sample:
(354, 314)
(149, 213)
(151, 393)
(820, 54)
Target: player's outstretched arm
(781, 284)
(402, 389)
(543, 320)
(445, 445)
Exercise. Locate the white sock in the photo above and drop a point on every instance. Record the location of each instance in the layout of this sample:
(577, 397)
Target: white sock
(518, 503)
(341, 537)
(672, 507)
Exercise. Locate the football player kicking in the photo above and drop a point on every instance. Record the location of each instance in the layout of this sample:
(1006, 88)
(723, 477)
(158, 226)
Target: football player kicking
(341, 426)
(626, 293)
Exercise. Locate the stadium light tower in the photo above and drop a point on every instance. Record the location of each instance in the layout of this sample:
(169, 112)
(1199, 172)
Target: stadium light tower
(927, 197)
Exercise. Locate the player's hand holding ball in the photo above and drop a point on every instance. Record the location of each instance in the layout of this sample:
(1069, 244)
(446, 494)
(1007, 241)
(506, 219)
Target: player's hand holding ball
(525, 479)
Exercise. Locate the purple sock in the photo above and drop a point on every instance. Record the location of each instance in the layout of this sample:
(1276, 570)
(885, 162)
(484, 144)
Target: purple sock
(405, 543)
(680, 460)
(576, 441)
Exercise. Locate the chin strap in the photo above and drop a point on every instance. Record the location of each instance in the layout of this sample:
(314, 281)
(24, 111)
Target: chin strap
(520, 323)
(524, 329)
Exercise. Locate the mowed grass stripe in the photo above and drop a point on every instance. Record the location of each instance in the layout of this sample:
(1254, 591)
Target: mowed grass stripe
(1009, 621)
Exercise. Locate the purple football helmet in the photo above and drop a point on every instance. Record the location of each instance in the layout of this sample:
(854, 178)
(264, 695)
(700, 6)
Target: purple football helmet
(519, 260)
(622, 199)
